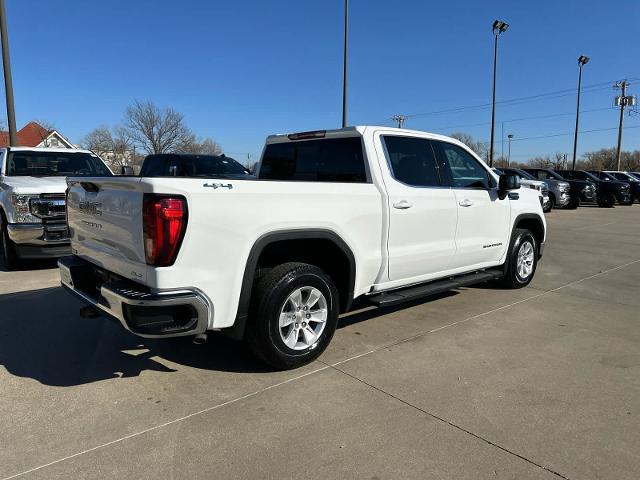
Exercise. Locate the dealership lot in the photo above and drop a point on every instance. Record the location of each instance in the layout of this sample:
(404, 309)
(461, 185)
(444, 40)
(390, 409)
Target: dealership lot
(542, 382)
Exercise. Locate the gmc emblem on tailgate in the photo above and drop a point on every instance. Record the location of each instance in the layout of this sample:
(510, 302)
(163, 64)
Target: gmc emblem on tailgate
(90, 208)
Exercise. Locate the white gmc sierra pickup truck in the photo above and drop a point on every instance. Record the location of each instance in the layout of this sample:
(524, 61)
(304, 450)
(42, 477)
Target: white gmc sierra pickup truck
(32, 211)
(380, 214)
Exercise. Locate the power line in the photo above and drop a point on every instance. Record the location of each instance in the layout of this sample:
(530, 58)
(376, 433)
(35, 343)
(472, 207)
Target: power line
(517, 101)
(571, 133)
(522, 118)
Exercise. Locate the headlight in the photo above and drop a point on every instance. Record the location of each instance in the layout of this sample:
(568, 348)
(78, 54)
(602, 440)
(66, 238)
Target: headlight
(22, 209)
(564, 187)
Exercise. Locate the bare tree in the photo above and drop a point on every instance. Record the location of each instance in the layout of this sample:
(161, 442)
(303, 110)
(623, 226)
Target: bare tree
(155, 130)
(115, 147)
(207, 146)
(480, 148)
(99, 141)
(558, 161)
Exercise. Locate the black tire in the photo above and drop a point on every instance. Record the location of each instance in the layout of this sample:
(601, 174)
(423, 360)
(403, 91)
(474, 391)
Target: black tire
(552, 201)
(627, 203)
(263, 333)
(546, 207)
(513, 278)
(606, 200)
(574, 202)
(8, 254)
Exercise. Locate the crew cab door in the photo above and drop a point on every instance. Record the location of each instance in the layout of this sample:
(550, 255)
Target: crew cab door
(483, 219)
(422, 212)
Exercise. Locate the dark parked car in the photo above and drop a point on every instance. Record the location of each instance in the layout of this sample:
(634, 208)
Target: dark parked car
(190, 165)
(609, 191)
(633, 182)
(624, 195)
(580, 190)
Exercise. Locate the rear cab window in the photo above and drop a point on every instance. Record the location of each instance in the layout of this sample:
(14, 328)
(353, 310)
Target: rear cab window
(320, 160)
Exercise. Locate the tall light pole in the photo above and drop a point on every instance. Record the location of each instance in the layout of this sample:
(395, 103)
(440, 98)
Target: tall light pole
(344, 65)
(582, 61)
(510, 136)
(498, 28)
(8, 82)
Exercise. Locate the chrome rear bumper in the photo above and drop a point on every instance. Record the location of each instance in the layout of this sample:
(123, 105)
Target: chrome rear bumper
(137, 308)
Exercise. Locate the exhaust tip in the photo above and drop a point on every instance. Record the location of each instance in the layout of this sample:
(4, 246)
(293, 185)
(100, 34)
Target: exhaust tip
(200, 339)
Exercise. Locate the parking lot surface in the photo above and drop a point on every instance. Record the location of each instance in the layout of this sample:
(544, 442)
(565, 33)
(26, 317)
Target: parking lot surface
(542, 382)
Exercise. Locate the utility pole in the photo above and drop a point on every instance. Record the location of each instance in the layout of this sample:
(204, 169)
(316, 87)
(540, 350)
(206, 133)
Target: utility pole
(510, 136)
(8, 82)
(400, 119)
(344, 65)
(582, 61)
(623, 100)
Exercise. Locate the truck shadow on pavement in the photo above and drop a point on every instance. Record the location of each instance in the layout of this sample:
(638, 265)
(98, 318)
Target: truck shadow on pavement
(43, 337)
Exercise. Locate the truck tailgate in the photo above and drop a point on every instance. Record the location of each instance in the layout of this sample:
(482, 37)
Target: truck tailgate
(105, 221)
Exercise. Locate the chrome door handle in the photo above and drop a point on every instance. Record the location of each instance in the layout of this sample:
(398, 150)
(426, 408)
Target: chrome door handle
(402, 205)
(465, 203)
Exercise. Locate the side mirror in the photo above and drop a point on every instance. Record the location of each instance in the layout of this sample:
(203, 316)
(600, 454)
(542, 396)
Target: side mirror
(127, 170)
(508, 182)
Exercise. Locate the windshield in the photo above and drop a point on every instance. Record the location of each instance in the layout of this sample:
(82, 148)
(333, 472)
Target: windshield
(624, 177)
(590, 176)
(551, 173)
(55, 164)
(607, 176)
(523, 174)
(191, 166)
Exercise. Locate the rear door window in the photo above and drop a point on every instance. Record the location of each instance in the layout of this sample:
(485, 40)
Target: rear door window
(412, 161)
(326, 160)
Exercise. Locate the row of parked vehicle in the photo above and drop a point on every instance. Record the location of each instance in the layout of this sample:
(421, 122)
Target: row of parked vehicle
(570, 188)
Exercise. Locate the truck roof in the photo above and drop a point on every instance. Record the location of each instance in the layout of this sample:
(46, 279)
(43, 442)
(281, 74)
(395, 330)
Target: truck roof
(47, 149)
(351, 131)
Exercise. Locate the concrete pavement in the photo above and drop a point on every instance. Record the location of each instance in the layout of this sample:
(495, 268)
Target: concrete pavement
(542, 382)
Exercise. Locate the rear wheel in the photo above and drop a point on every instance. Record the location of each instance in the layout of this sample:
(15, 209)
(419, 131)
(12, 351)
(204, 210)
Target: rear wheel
(294, 315)
(7, 248)
(574, 202)
(522, 260)
(606, 200)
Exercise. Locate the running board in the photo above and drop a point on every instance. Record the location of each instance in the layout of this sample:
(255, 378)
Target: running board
(394, 297)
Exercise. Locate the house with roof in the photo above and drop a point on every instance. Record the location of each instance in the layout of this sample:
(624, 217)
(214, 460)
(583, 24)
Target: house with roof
(35, 135)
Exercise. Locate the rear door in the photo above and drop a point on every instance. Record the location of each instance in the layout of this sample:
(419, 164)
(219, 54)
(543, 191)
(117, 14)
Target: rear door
(422, 211)
(105, 223)
(482, 231)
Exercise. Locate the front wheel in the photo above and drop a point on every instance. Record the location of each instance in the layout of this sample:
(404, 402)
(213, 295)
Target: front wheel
(606, 200)
(522, 260)
(294, 315)
(7, 248)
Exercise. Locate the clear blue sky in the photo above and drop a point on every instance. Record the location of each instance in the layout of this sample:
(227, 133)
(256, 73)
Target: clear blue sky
(245, 69)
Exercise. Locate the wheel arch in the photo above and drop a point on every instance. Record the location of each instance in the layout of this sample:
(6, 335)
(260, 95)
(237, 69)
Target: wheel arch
(533, 223)
(269, 242)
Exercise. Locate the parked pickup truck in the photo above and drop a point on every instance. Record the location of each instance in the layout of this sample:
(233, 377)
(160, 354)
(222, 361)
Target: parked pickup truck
(192, 165)
(380, 214)
(32, 203)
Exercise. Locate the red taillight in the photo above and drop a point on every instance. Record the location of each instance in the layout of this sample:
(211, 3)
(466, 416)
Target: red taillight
(164, 224)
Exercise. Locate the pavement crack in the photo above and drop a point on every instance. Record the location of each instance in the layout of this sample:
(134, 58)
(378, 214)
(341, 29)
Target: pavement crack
(450, 423)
